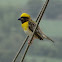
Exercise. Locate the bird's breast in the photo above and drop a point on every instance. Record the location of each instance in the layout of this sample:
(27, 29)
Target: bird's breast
(26, 28)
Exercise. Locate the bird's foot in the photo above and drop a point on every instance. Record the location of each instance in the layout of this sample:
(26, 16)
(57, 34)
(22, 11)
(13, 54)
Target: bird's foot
(29, 43)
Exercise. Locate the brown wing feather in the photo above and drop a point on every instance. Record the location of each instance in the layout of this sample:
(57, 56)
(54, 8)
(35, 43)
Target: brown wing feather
(32, 25)
(38, 31)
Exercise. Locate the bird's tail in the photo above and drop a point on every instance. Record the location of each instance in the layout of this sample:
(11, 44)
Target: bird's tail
(46, 37)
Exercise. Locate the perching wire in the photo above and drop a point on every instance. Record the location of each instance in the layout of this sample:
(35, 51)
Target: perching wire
(38, 19)
(17, 54)
(42, 12)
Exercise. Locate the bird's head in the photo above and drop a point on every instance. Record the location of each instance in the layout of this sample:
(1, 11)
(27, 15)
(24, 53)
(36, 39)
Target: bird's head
(24, 17)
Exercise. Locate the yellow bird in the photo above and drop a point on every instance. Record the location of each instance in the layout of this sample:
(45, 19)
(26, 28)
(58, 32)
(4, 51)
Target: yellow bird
(28, 26)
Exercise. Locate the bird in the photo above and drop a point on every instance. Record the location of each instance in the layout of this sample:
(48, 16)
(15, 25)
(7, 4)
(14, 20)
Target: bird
(29, 25)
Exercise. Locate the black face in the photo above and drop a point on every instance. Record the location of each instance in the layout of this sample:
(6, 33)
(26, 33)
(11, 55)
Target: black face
(23, 19)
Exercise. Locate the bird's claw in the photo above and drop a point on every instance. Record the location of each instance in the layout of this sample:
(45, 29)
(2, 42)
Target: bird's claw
(29, 43)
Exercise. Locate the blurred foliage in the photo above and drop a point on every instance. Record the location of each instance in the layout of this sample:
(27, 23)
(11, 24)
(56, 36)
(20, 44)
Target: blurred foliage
(12, 35)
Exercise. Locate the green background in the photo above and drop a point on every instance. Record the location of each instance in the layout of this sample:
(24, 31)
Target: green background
(12, 35)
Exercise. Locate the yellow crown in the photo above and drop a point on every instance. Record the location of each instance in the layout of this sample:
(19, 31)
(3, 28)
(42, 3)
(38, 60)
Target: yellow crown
(25, 15)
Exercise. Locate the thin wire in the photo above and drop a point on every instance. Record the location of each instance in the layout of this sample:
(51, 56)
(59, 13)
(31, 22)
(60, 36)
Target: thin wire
(20, 49)
(42, 12)
(24, 42)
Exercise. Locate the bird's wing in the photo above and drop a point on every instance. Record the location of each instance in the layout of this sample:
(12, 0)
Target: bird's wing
(38, 31)
(32, 26)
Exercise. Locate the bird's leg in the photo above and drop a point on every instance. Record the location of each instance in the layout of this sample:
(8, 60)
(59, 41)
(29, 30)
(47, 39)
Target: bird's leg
(31, 42)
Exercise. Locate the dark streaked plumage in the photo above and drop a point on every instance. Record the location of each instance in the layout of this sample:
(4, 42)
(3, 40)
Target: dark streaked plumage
(32, 26)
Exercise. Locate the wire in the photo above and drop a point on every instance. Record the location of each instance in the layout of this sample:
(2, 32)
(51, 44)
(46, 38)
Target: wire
(20, 49)
(39, 19)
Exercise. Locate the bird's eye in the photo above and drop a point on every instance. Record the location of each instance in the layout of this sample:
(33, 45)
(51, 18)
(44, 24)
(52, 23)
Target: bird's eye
(25, 17)
(22, 19)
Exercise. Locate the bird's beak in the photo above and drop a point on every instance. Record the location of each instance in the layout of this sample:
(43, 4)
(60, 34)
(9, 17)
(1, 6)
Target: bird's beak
(19, 18)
